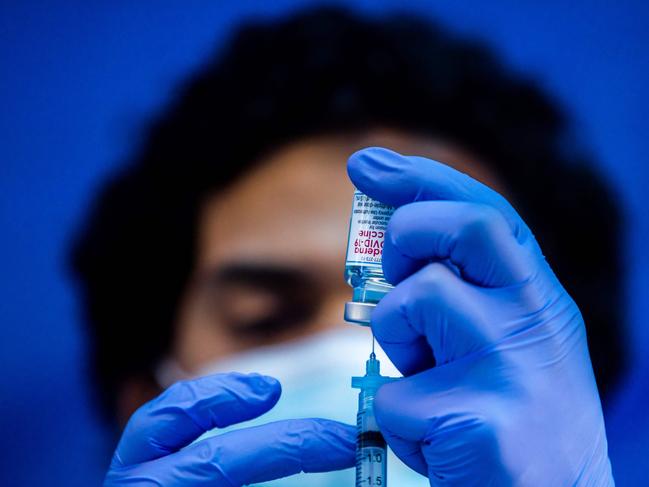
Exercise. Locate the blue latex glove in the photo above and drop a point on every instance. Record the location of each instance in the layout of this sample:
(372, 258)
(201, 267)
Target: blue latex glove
(152, 448)
(498, 387)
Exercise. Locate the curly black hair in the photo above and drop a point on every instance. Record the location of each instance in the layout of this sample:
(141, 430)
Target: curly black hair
(331, 71)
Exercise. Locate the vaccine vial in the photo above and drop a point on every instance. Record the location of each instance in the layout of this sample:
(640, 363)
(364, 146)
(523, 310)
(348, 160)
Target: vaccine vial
(363, 264)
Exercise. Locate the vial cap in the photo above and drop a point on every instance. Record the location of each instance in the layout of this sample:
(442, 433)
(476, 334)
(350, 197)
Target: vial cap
(359, 313)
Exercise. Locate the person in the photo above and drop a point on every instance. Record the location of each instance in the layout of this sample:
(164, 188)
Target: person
(221, 248)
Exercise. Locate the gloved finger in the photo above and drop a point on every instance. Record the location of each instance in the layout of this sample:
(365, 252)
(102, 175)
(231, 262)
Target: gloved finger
(409, 452)
(473, 237)
(431, 318)
(402, 426)
(449, 416)
(396, 180)
(252, 455)
(189, 408)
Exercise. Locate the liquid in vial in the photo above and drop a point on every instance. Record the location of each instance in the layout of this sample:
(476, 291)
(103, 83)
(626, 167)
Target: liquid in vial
(363, 264)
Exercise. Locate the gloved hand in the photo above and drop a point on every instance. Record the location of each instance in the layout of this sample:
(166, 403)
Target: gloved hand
(498, 386)
(153, 449)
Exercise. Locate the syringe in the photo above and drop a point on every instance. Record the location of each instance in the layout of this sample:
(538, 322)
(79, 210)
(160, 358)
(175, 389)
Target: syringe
(371, 450)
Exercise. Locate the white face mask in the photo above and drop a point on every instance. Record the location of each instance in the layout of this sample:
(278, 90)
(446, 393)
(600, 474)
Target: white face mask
(315, 374)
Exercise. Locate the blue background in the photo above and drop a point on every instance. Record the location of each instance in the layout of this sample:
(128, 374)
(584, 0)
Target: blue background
(79, 80)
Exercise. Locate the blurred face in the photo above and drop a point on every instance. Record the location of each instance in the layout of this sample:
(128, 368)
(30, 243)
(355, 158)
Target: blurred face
(271, 252)
(271, 248)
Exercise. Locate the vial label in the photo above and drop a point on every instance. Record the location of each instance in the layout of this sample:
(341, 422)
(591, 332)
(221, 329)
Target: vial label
(367, 227)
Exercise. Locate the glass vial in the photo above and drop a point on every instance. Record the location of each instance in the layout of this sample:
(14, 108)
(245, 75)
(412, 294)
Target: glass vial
(363, 264)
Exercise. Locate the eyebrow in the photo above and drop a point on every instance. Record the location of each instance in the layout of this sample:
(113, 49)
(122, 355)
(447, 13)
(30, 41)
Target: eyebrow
(259, 274)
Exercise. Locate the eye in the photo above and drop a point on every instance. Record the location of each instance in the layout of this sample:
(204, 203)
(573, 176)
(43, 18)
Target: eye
(261, 301)
(243, 307)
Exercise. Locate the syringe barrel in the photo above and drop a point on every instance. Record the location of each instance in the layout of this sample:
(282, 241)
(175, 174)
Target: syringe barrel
(366, 410)
(371, 449)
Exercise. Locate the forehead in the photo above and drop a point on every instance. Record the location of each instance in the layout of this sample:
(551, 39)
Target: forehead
(293, 206)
